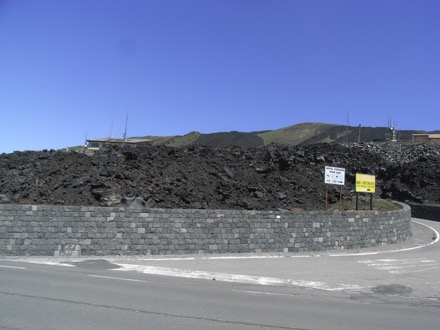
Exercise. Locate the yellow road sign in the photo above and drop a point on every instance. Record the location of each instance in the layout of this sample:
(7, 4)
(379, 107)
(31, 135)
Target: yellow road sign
(365, 183)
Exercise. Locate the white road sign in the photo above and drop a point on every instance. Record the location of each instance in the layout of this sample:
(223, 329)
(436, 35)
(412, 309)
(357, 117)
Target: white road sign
(334, 175)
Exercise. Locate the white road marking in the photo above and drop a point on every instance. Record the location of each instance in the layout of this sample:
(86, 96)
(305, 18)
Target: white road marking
(401, 266)
(416, 271)
(118, 278)
(262, 280)
(219, 258)
(56, 264)
(243, 257)
(263, 293)
(393, 251)
(165, 259)
(42, 262)
(358, 254)
(14, 267)
(435, 233)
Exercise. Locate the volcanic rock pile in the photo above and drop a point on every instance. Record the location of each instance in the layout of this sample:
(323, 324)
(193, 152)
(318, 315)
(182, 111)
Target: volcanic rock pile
(257, 178)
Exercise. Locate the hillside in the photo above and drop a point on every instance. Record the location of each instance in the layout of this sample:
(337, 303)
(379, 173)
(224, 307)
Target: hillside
(300, 134)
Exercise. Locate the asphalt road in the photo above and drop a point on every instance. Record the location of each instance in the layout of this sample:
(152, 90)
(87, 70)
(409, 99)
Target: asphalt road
(394, 287)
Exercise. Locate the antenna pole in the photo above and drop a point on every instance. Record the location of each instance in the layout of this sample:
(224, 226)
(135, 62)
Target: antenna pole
(126, 124)
(111, 130)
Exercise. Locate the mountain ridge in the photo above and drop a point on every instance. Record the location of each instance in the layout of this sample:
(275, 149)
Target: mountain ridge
(298, 134)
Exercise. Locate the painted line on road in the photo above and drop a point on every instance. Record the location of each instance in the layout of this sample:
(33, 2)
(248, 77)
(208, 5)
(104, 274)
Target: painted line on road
(396, 266)
(435, 231)
(42, 262)
(414, 271)
(248, 279)
(165, 259)
(14, 267)
(393, 251)
(218, 258)
(118, 278)
(264, 293)
(399, 262)
(243, 257)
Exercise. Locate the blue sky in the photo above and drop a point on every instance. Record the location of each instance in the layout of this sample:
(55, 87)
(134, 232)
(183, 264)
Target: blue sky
(69, 69)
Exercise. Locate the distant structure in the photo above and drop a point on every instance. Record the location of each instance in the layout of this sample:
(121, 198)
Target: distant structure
(426, 137)
(93, 145)
(394, 134)
(126, 143)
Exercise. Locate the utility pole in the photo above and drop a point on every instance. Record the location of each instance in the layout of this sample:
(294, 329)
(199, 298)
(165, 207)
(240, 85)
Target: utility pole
(126, 124)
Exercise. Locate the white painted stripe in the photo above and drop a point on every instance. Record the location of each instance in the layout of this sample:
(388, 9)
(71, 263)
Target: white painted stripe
(262, 280)
(435, 231)
(226, 258)
(303, 256)
(42, 262)
(118, 278)
(396, 267)
(390, 264)
(263, 293)
(244, 257)
(393, 251)
(199, 274)
(411, 271)
(213, 258)
(353, 254)
(47, 263)
(165, 259)
(402, 266)
(14, 267)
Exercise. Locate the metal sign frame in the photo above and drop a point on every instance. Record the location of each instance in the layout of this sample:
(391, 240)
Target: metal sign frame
(334, 176)
(365, 183)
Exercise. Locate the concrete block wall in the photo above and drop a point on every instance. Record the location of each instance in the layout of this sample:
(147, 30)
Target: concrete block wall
(47, 230)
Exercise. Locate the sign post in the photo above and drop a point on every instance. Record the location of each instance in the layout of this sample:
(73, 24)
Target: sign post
(367, 184)
(335, 176)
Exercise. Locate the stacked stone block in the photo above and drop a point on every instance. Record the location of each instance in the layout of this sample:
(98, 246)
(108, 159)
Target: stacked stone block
(74, 230)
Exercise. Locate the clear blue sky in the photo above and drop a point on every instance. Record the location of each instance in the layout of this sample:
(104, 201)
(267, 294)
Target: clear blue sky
(70, 68)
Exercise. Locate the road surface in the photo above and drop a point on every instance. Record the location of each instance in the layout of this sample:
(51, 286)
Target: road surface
(389, 288)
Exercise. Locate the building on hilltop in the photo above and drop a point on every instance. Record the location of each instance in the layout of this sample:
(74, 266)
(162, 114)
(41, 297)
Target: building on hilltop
(128, 143)
(426, 137)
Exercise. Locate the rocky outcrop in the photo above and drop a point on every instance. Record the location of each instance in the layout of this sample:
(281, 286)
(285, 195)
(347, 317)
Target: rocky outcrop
(260, 178)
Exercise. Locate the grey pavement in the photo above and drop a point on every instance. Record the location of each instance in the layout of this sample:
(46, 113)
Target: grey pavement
(387, 287)
(357, 270)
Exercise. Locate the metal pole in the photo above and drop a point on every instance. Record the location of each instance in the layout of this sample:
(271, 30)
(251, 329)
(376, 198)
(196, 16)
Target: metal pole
(371, 202)
(357, 201)
(340, 198)
(326, 197)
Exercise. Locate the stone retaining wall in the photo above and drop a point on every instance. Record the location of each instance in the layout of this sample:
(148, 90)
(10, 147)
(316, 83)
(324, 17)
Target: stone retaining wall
(75, 230)
(430, 212)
